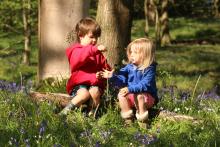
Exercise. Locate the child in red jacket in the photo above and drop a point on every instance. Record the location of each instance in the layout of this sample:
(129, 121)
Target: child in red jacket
(86, 61)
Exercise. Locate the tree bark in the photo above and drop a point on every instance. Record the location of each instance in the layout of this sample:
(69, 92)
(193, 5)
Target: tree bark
(56, 19)
(115, 20)
(157, 26)
(27, 31)
(151, 11)
(216, 5)
(146, 29)
(164, 19)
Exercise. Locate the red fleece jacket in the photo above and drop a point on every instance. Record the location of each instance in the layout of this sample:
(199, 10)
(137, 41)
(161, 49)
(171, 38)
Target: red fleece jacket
(85, 62)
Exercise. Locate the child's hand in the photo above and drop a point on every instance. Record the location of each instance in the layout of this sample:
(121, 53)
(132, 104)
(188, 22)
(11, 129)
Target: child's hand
(123, 92)
(99, 75)
(107, 74)
(101, 48)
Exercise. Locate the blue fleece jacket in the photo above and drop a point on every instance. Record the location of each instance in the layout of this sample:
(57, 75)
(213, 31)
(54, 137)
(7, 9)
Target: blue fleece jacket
(137, 80)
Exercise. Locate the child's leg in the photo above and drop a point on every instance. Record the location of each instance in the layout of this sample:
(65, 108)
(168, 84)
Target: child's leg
(141, 104)
(95, 94)
(94, 101)
(126, 111)
(145, 101)
(82, 95)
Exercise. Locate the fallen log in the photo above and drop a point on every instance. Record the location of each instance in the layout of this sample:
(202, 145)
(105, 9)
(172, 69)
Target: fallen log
(58, 98)
(63, 99)
(172, 116)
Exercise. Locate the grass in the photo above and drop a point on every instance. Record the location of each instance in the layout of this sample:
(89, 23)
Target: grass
(183, 28)
(185, 63)
(186, 77)
(11, 58)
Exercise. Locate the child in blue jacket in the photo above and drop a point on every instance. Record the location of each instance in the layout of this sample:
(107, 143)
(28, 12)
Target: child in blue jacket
(136, 80)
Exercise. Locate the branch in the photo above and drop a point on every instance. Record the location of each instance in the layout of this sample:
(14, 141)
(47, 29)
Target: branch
(12, 29)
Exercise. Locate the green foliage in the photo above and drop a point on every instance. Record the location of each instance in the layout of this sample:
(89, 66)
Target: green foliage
(191, 8)
(52, 85)
(12, 12)
(27, 123)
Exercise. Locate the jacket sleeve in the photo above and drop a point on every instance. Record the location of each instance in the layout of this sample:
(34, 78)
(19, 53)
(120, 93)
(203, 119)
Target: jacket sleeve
(79, 56)
(147, 82)
(121, 78)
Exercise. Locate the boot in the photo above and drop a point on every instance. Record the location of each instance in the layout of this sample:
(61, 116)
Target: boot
(67, 109)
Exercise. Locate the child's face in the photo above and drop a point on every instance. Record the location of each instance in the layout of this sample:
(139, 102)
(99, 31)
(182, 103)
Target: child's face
(88, 39)
(135, 56)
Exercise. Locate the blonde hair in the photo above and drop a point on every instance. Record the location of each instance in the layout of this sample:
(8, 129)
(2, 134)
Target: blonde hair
(146, 49)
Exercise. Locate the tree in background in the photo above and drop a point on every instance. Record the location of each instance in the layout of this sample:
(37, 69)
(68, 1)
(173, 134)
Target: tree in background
(27, 31)
(56, 19)
(11, 18)
(216, 7)
(156, 12)
(146, 28)
(115, 20)
(164, 21)
(19, 18)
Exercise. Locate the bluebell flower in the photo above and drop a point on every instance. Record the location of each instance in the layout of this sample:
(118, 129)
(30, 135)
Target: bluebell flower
(42, 129)
(97, 144)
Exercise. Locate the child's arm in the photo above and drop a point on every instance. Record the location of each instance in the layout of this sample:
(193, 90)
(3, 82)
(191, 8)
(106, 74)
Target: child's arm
(119, 79)
(101, 48)
(79, 56)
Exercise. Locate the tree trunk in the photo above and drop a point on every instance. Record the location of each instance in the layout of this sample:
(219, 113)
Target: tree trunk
(164, 19)
(216, 5)
(151, 11)
(157, 27)
(146, 29)
(27, 31)
(116, 27)
(56, 19)
(124, 11)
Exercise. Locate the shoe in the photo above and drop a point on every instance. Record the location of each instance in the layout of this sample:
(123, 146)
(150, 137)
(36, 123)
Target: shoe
(67, 109)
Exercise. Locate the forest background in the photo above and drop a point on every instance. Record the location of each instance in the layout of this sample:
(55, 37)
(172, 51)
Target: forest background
(188, 79)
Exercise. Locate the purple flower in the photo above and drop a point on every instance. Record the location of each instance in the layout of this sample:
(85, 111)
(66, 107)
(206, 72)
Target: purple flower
(9, 86)
(145, 139)
(212, 94)
(97, 144)
(42, 129)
